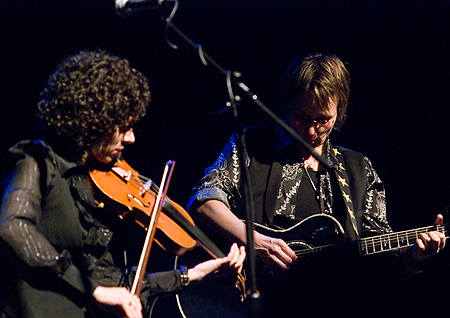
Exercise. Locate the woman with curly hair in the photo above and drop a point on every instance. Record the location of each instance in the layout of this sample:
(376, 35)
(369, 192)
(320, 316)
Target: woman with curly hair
(54, 240)
(88, 97)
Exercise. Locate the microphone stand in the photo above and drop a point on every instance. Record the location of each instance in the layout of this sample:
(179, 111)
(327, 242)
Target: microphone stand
(254, 295)
(232, 78)
(206, 60)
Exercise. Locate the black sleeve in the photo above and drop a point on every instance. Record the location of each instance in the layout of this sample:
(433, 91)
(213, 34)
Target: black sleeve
(21, 210)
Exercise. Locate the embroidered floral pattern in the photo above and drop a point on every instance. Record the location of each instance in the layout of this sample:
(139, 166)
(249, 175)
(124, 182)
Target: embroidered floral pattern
(225, 171)
(375, 208)
(290, 182)
(223, 181)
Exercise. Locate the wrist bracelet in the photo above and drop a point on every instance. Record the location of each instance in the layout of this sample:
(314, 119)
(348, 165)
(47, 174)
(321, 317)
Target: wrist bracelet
(184, 277)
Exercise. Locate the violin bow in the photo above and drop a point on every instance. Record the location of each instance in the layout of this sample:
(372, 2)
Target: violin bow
(140, 272)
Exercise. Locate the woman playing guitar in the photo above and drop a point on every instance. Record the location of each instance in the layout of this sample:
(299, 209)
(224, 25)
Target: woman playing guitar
(290, 185)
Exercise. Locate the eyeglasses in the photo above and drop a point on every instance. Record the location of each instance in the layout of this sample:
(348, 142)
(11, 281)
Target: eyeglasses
(317, 122)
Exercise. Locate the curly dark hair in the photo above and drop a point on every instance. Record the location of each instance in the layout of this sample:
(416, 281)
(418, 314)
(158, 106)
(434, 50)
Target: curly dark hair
(90, 95)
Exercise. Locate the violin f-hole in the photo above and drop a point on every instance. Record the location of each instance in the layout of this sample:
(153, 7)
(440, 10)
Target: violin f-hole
(138, 201)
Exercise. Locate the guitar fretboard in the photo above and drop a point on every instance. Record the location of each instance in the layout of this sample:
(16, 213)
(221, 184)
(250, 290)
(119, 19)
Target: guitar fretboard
(392, 241)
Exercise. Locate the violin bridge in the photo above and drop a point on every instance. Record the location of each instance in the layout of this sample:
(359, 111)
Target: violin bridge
(146, 187)
(123, 173)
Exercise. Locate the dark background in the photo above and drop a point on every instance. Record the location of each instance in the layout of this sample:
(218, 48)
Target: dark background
(397, 52)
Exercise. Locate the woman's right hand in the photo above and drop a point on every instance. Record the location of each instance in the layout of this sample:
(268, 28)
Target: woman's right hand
(274, 252)
(119, 301)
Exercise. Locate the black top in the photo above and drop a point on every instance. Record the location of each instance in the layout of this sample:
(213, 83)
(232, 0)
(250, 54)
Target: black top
(55, 250)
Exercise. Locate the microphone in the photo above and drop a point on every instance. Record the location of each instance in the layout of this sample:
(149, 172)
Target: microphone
(128, 7)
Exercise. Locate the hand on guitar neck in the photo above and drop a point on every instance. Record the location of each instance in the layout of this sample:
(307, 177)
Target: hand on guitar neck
(428, 244)
(273, 251)
(320, 233)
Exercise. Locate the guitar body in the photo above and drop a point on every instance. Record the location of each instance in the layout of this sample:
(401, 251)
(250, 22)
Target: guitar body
(315, 231)
(218, 297)
(315, 286)
(212, 297)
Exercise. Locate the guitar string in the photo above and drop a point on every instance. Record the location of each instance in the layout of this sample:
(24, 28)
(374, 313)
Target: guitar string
(376, 242)
(399, 239)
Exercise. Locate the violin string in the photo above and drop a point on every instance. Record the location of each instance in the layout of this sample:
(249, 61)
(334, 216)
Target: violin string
(135, 183)
(178, 218)
(143, 178)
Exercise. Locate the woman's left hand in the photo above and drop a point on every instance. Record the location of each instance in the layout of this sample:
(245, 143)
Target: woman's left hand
(429, 244)
(230, 264)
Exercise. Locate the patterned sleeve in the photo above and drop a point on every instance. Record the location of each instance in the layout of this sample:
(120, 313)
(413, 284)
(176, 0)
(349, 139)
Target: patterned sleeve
(375, 219)
(221, 181)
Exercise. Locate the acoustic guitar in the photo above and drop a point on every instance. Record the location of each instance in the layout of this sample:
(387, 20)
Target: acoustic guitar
(322, 232)
(313, 235)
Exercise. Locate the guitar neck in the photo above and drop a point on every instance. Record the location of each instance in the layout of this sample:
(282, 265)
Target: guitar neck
(392, 241)
(320, 233)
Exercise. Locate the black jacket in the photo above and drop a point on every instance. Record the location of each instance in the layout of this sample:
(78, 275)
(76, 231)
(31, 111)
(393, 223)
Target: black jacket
(55, 249)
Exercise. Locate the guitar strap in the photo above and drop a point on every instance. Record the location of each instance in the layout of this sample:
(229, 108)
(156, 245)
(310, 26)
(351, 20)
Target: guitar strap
(343, 181)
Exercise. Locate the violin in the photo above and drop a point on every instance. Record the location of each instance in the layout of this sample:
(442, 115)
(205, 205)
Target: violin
(123, 189)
